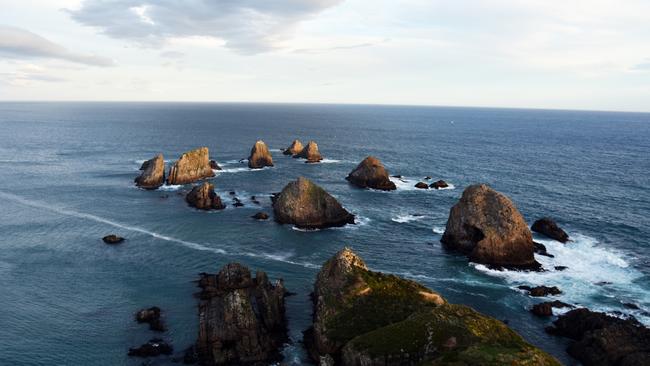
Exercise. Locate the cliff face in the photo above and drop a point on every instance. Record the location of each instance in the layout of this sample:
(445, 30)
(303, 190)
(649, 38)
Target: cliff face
(241, 319)
(153, 173)
(190, 167)
(370, 173)
(369, 318)
(260, 156)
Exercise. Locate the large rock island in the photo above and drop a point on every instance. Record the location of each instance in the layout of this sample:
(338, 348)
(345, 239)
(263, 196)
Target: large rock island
(369, 318)
(241, 319)
(153, 173)
(370, 173)
(190, 167)
(308, 206)
(260, 156)
(487, 227)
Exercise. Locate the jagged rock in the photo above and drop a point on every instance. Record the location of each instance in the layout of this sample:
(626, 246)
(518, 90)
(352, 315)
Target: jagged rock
(548, 227)
(151, 316)
(370, 173)
(214, 165)
(601, 339)
(369, 318)
(421, 185)
(153, 173)
(295, 148)
(190, 167)
(546, 308)
(560, 268)
(306, 205)
(539, 291)
(310, 152)
(261, 216)
(241, 319)
(486, 226)
(439, 184)
(112, 239)
(260, 156)
(203, 197)
(155, 347)
(541, 250)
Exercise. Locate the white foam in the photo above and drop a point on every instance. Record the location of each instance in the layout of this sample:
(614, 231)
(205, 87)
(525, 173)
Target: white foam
(170, 188)
(408, 184)
(330, 161)
(438, 230)
(303, 230)
(406, 218)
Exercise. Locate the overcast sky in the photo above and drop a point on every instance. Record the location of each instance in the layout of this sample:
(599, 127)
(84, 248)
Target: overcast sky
(592, 54)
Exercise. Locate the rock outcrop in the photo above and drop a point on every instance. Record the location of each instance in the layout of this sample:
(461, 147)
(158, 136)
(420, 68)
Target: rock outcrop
(310, 152)
(151, 316)
(308, 206)
(155, 347)
(601, 339)
(112, 239)
(190, 167)
(539, 291)
(241, 319)
(214, 165)
(260, 156)
(421, 185)
(486, 226)
(261, 216)
(294, 149)
(153, 173)
(370, 173)
(546, 308)
(369, 318)
(439, 184)
(548, 227)
(203, 197)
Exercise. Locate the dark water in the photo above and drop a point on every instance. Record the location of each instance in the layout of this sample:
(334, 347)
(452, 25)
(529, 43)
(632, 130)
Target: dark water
(67, 172)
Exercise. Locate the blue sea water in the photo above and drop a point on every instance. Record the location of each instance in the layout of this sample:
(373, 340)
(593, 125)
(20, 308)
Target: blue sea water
(67, 180)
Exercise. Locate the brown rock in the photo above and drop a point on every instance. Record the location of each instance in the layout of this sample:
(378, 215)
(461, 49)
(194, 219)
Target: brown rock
(190, 167)
(370, 173)
(153, 173)
(310, 152)
(151, 316)
(439, 184)
(539, 291)
(261, 216)
(421, 185)
(295, 148)
(214, 165)
(260, 156)
(306, 205)
(112, 239)
(548, 227)
(203, 197)
(487, 227)
(546, 308)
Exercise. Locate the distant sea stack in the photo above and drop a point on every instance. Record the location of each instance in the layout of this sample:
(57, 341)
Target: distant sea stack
(370, 173)
(487, 227)
(260, 156)
(203, 197)
(548, 227)
(190, 167)
(153, 173)
(294, 149)
(241, 319)
(370, 318)
(308, 206)
(310, 152)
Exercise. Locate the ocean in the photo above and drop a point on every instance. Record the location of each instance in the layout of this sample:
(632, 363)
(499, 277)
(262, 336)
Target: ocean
(66, 298)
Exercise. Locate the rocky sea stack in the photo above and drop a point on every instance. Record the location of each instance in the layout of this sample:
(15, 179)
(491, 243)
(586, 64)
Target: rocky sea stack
(260, 156)
(369, 318)
(153, 173)
(308, 206)
(310, 152)
(241, 319)
(548, 227)
(203, 197)
(190, 167)
(370, 173)
(487, 227)
(294, 149)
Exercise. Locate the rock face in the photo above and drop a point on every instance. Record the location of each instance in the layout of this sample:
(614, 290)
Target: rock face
(112, 239)
(439, 184)
(260, 156)
(294, 149)
(370, 173)
(241, 319)
(151, 316)
(203, 197)
(153, 173)
(548, 227)
(487, 227)
(369, 318)
(310, 152)
(308, 206)
(190, 167)
(601, 339)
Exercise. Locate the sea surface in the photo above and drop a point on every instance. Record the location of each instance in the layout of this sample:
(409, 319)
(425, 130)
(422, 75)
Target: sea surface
(67, 171)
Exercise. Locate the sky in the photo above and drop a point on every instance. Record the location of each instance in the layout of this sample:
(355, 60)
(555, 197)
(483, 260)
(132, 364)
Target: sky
(568, 54)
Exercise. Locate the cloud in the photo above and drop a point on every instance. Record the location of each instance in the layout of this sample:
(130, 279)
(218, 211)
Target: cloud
(643, 66)
(20, 44)
(27, 74)
(246, 26)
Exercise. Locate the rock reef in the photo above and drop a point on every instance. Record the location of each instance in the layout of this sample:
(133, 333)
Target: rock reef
(487, 227)
(439, 184)
(203, 197)
(308, 206)
(190, 167)
(260, 156)
(310, 152)
(371, 173)
(294, 149)
(548, 227)
(153, 173)
(152, 317)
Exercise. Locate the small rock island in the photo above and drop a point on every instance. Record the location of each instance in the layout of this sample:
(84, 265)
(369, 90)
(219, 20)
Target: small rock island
(203, 197)
(153, 173)
(370, 173)
(260, 156)
(310, 152)
(190, 167)
(294, 149)
(549, 228)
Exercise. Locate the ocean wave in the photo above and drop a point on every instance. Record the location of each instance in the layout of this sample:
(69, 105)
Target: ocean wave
(438, 230)
(330, 161)
(170, 188)
(406, 218)
(408, 184)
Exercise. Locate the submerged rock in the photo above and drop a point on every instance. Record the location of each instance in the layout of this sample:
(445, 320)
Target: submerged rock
(190, 167)
(310, 152)
(260, 156)
(153, 173)
(155, 347)
(112, 239)
(370, 318)
(439, 184)
(261, 216)
(539, 291)
(548, 227)
(203, 197)
(241, 319)
(487, 227)
(601, 339)
(151, 316)
(370, 173)
(306, 205)
(294, 149)
(421, 185)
